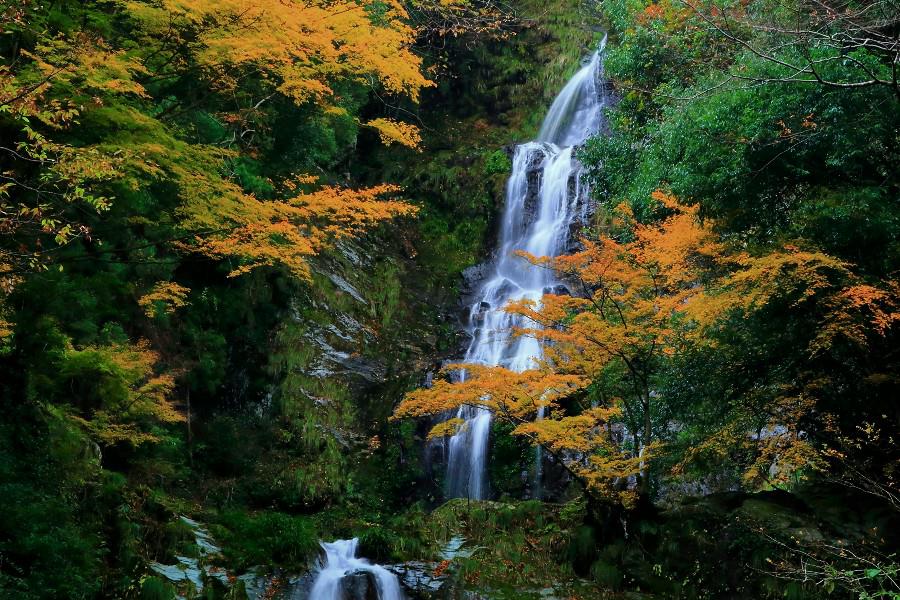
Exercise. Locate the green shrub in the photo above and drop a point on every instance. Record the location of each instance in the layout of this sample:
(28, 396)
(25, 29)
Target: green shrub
(583, 549)
(154, 588)
(269, 538)
(497, 163)
(376, 544)
(607, 574)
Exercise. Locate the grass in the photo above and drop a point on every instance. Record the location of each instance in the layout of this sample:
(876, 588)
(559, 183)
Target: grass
(513, 550)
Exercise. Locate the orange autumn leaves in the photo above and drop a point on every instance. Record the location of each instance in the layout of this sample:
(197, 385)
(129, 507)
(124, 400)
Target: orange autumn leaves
(300, 49)
(627, 293)
(642, 294)
(123, 395)
(511, 394)
(303, 46)
(515, 398)
(288, 232)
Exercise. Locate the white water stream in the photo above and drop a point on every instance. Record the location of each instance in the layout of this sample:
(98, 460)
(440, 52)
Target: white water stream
(541, 228)
(341, 560)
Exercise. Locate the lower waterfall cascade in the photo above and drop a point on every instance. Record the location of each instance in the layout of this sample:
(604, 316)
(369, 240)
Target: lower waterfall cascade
(341, 561)
(539, 213)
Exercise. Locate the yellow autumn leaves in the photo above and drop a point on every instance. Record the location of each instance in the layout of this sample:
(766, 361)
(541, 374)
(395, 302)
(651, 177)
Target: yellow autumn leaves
(127, 395)
(287, 233)
(301, 49)
(95, 111)
(642, 293)
(304, 46)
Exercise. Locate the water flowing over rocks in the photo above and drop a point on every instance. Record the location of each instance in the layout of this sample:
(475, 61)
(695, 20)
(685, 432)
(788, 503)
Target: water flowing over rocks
(343, 576)
(546, 201)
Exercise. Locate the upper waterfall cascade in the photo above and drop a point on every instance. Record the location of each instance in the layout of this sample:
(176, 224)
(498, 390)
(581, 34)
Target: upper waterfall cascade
(541, 230)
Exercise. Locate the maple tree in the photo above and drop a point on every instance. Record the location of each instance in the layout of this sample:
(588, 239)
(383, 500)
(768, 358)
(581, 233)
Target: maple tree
(625, 314)
(34, 207)
(296, 50)
(138, 141)
(849, 316)
(118, 393)
(515, 397)
(642, 294)
(623, 317)
(165, 297)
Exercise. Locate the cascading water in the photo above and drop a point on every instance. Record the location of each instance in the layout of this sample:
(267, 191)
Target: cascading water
(540, 228)
(341, 561)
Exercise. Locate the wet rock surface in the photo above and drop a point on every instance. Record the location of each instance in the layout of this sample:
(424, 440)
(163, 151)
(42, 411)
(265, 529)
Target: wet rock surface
(418, 579)
(472, 278)
(359, 585)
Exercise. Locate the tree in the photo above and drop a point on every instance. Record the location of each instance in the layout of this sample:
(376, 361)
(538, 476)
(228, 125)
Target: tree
(647, 295)
(782, 422)
(302, 47)
(626, 317)
(838, 44)
(436, 20)
(43, 179)
(117, 393)
(298, 51)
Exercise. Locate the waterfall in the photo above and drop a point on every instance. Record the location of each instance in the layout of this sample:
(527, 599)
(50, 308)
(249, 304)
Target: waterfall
(333, 579)
(539, 213)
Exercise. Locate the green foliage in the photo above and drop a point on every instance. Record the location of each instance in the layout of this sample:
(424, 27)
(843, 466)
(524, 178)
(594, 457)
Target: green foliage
(515, 546)
(766, 161)
(51, 546)
(231, 450)
(314, 424)
(385, 293)
(607, 575)
(775, 164)
(267, 537)
(154, 588)
(377, 544)
(510, 456)
(582, 549)
(125, 159)
(497, 163)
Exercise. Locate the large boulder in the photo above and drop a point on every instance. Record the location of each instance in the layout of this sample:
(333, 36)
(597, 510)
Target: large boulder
(359, 585)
